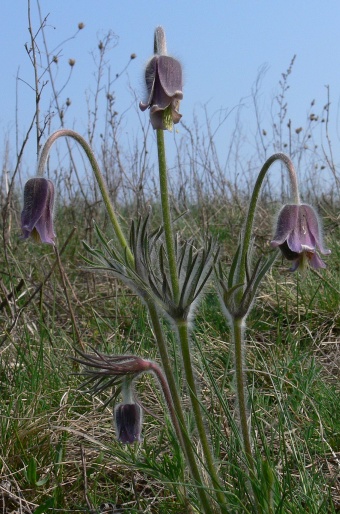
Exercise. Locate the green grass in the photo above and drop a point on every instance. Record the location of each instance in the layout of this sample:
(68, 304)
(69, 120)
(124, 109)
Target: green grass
(52, 435)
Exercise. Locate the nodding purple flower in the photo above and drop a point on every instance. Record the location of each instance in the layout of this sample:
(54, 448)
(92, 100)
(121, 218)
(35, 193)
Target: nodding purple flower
(163, 77)
(128, 420)
(37, 214)
(298, 235)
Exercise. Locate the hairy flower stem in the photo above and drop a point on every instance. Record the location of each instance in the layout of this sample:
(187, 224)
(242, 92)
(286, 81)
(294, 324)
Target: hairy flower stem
(183, 333)
(160, 48)
(238, 327)
(182, 327)
(169, 240)
(241, 387)
(127, 391)
(246, 239)
(180, 427)
(238, 323)
(99, 177)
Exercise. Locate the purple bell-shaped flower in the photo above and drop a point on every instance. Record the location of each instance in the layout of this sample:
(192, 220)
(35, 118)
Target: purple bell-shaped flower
(164, 84)
(298, 235)
(163, 77)
(128, 420)
(37, 214)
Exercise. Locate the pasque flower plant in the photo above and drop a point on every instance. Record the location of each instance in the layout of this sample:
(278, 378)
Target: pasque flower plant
(121, 371)
(170, 275)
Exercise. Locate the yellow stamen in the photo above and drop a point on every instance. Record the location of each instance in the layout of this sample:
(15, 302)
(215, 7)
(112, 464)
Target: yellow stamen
(35, 236)
(167, 118)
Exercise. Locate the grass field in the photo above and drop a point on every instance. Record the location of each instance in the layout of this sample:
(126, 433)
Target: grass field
(58, 446)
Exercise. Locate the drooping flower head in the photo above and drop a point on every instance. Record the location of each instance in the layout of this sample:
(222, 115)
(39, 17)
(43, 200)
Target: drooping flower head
(164, 83)
(37, 214)
(128, 420)
(107, 371)
(298, 235)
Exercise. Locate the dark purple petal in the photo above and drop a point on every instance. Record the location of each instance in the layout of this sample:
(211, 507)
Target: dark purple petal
(37, 214)
(44, 227)
(302, 259)
(297, 263)
(314, 227)
(150, 76)
(143, 106)
(288, 253)
(170, 75)
(316, 262)
(176, 116)
(286, 223)
(35, 196)
(156, 118)
(306, 258)
(160, 99)
(128, 419)
(300, 239)
(163, 78)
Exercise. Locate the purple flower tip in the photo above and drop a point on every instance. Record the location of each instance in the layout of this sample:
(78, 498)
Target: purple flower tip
(37, 214)
(128, 420)
(298, 235)
(164, 83)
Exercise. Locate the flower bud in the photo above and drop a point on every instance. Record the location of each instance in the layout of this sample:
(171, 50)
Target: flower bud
(37, 214)
(128, 421)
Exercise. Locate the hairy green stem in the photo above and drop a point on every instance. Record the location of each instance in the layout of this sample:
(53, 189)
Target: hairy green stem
(159, 372)
(183, 435)
(246, 239)
(183, 333)
(127, 392)
(99, 177)
(183, 327)
(238, 327)
(169, 240)
(241, 388)
(238, 323)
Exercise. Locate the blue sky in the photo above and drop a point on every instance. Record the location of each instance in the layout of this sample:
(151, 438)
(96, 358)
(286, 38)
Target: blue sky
(222, 45)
